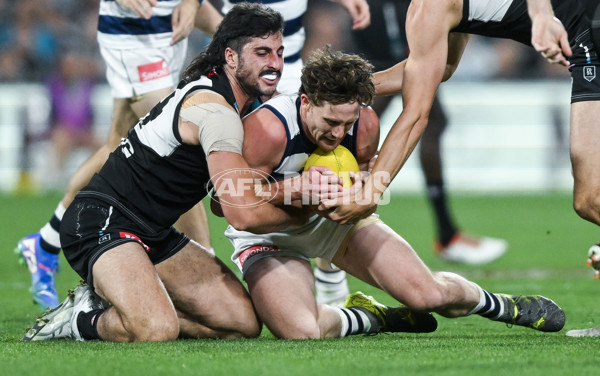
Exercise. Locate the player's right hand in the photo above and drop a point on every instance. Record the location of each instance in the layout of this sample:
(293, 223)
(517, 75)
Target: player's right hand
(320, 183)
(593, 260)
(142, 8)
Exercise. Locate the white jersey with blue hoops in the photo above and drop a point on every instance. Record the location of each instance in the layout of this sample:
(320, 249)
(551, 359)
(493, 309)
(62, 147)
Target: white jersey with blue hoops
(298, 146)
(121, 28)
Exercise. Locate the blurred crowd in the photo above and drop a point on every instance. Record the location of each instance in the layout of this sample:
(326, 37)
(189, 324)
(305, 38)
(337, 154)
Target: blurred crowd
(35, 36)
(53, 42)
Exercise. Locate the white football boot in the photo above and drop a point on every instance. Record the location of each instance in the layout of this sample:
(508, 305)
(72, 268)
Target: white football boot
(472, 250)
(61, 322)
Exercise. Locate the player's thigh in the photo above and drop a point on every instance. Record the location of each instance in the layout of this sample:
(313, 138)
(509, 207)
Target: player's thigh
(379, 256)
(204, 288)
(125, 276)
(282, 292)
(585, 133)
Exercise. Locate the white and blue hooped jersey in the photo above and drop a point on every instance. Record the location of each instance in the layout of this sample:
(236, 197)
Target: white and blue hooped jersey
(292, 12)
(121, 28)
(299, 147)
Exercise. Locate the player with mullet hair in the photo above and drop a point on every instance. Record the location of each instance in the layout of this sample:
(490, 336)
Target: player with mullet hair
(156, 284)
(330, 110)
(143, 44)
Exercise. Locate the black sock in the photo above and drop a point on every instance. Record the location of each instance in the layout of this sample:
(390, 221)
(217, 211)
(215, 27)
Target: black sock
(445, 225)
(87, 323)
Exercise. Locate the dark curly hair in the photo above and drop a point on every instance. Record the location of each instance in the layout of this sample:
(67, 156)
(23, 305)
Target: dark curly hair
(336, 78)
(242, 22)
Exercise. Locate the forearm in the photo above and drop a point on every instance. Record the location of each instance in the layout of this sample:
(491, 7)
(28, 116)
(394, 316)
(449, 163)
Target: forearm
(389, 81)
(264, 218)
(536, 7)
(281, 192)
(207, 18)
(395, 151)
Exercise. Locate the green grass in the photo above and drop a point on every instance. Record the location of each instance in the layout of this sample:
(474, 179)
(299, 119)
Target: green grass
(548, 244)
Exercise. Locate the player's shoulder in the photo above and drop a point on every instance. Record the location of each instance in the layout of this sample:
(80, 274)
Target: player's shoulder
(368, 119)
(267, 122)
(205, 97)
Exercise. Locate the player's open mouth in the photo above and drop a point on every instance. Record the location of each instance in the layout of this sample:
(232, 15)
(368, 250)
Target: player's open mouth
(270, 76)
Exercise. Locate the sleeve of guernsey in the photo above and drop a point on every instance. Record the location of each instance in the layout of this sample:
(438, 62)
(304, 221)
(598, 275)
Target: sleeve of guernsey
(219, 127)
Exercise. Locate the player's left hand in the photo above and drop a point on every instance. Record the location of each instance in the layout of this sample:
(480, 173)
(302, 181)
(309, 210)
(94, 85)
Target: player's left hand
(359, 11)
(550, 39)
(182, 20)
(352, 206)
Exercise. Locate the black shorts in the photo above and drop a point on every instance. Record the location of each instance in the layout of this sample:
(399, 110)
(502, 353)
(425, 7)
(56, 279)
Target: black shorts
(91, 227)
(585, 69)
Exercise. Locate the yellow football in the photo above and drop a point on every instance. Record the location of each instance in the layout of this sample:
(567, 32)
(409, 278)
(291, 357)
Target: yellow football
(340, 160)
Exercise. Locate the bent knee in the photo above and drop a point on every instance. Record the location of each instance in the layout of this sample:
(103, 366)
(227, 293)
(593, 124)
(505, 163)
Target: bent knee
(298, 331)
(587, 204)
(250, 329)
(155, 329)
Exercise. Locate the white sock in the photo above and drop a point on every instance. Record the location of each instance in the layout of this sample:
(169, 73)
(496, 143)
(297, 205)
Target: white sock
(331, 286)
(489, 305)
(354, 321)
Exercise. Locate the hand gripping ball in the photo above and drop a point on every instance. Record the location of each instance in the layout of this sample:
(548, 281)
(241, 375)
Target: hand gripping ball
(340, 160)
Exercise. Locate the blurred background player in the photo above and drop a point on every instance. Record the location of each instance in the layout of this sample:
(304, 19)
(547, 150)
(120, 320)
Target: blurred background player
(143, 43)
(71, 115)
(331, 285)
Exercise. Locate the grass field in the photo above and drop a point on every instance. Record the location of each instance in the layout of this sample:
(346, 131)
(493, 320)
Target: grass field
(548, 244)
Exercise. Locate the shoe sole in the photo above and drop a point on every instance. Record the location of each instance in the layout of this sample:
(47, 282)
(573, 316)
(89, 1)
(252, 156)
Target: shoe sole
(35, 333)
(552, 321)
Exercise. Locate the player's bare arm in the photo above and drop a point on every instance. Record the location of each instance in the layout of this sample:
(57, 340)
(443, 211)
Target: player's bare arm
(367, 139)
(389, 81)
(265, 141)
(230, 173)
(548, 35)
(359, 11)
(182, 19)
(208, 18)
(427, 27)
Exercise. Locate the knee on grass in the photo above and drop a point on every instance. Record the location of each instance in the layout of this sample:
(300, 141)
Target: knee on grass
(158, 328)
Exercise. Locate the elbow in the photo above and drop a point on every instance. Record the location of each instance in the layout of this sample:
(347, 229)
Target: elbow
(246, 220)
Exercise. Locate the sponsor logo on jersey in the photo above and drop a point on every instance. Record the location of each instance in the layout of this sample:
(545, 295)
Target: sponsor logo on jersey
(128, 235)
(589, 72)
(104, 238)
(153, 71)
(253, 251)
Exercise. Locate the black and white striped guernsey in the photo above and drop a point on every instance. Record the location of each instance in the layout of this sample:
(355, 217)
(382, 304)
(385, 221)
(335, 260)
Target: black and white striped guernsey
(509, 19)
(152, 173)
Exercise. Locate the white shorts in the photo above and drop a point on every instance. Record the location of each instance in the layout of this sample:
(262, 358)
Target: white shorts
(131, 73)
(290, 78)
(320, 237)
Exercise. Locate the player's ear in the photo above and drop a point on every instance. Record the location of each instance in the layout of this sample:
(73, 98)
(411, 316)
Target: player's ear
(231, 57)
